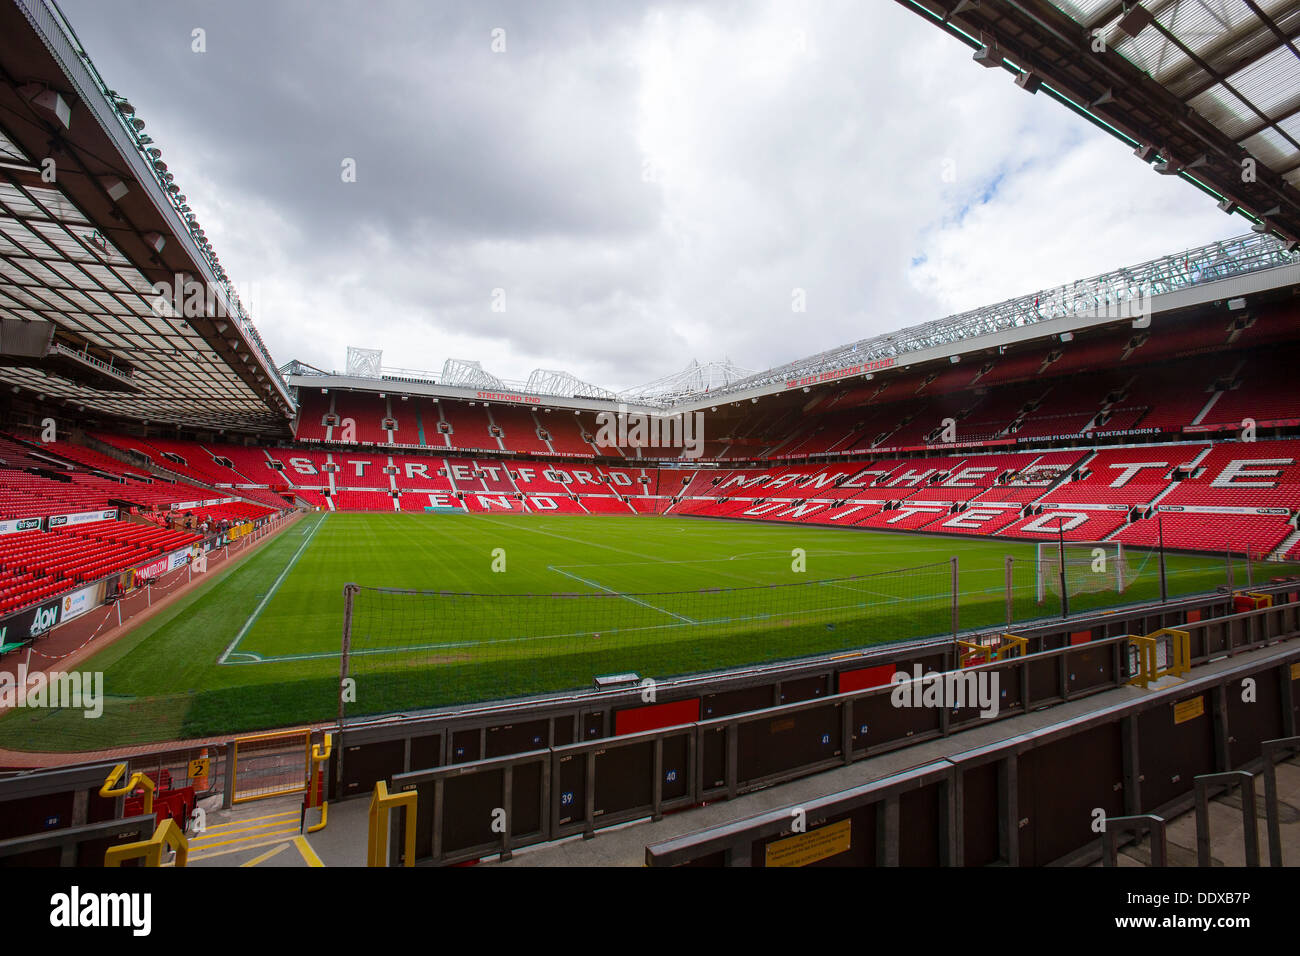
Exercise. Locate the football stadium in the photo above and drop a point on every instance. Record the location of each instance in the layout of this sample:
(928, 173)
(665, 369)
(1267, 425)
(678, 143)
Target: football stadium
(976, 590)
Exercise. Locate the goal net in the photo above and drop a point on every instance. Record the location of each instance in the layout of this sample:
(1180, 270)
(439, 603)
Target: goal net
(410, 649)
(1090, 567)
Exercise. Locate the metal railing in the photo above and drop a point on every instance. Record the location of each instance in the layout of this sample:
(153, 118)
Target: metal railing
(732, 755)
(1021, 827)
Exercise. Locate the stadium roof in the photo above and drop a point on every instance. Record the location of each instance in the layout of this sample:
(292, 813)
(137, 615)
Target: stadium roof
(1206, 91)
(90, 221)
(1246, 265)
(695, 379)
(1104, 298)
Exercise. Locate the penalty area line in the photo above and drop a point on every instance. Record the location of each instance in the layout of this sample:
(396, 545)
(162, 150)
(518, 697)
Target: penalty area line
(257, 611)
(626, 597)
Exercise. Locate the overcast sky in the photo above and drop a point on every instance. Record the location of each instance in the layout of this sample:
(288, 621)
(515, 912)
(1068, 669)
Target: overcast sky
(645, 183)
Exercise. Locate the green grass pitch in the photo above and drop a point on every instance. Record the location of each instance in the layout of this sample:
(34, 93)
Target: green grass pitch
(257, 646)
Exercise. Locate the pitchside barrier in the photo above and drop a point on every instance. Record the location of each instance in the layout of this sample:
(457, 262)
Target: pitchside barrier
(1033, 800)
(496, 805)
(405, 650)
(82, 846)
(400, 648)
(52, 800)
(380, 749)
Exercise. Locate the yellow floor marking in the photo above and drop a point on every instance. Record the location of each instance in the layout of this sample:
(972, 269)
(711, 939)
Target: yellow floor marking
(207, 834)
(265, 856)
(273, 816)
(307, 852)
(238, 849)
(255, 836)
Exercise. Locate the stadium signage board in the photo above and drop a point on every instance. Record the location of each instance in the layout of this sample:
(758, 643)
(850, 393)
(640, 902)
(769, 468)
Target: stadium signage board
(507, 397)
(19, 524)
(32, 622)
(206, 503)
(940, 446)
(1085, 506)
(149, 570)
(79, 602)
(1222, 510)
(839, 373)
(1261, 423)
(1075, 436)
(82, 517)
(887, 449)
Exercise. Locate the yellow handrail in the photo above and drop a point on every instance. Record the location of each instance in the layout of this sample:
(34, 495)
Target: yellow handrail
(381, 803)
(1178, 663)
(1014, 646)
(167, 834)
(138, 779)
(318, 756)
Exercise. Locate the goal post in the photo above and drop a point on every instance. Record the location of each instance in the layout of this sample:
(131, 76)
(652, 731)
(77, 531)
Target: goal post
(1090, 567)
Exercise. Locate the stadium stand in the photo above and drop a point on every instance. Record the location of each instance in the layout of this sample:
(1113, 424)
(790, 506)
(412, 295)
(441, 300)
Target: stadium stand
(362, 501)
(1260, 534)
(471, 429)
(519, 429)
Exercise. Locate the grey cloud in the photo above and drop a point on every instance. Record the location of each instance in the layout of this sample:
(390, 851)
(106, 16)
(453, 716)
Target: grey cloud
(818, 169)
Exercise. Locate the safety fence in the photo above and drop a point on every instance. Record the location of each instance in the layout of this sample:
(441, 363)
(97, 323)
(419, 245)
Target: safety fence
(378, 750)
(586, 761)
(405, 649)
(1067, 793)
(499, 804)
(270, 765)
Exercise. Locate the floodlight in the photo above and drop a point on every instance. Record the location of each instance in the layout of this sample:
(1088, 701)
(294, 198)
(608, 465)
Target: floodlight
(49, 101)
(1029, 81)
(115, 188)
(1136, 19)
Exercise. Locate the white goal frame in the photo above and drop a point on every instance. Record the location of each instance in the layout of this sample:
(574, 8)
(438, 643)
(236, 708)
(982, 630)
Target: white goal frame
(1048, 554)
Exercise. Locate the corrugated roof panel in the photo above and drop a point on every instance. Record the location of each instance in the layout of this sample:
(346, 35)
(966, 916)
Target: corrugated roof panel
(1271, 149)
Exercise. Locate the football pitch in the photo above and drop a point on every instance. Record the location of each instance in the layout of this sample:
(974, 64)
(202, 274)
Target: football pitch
(463, 608)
